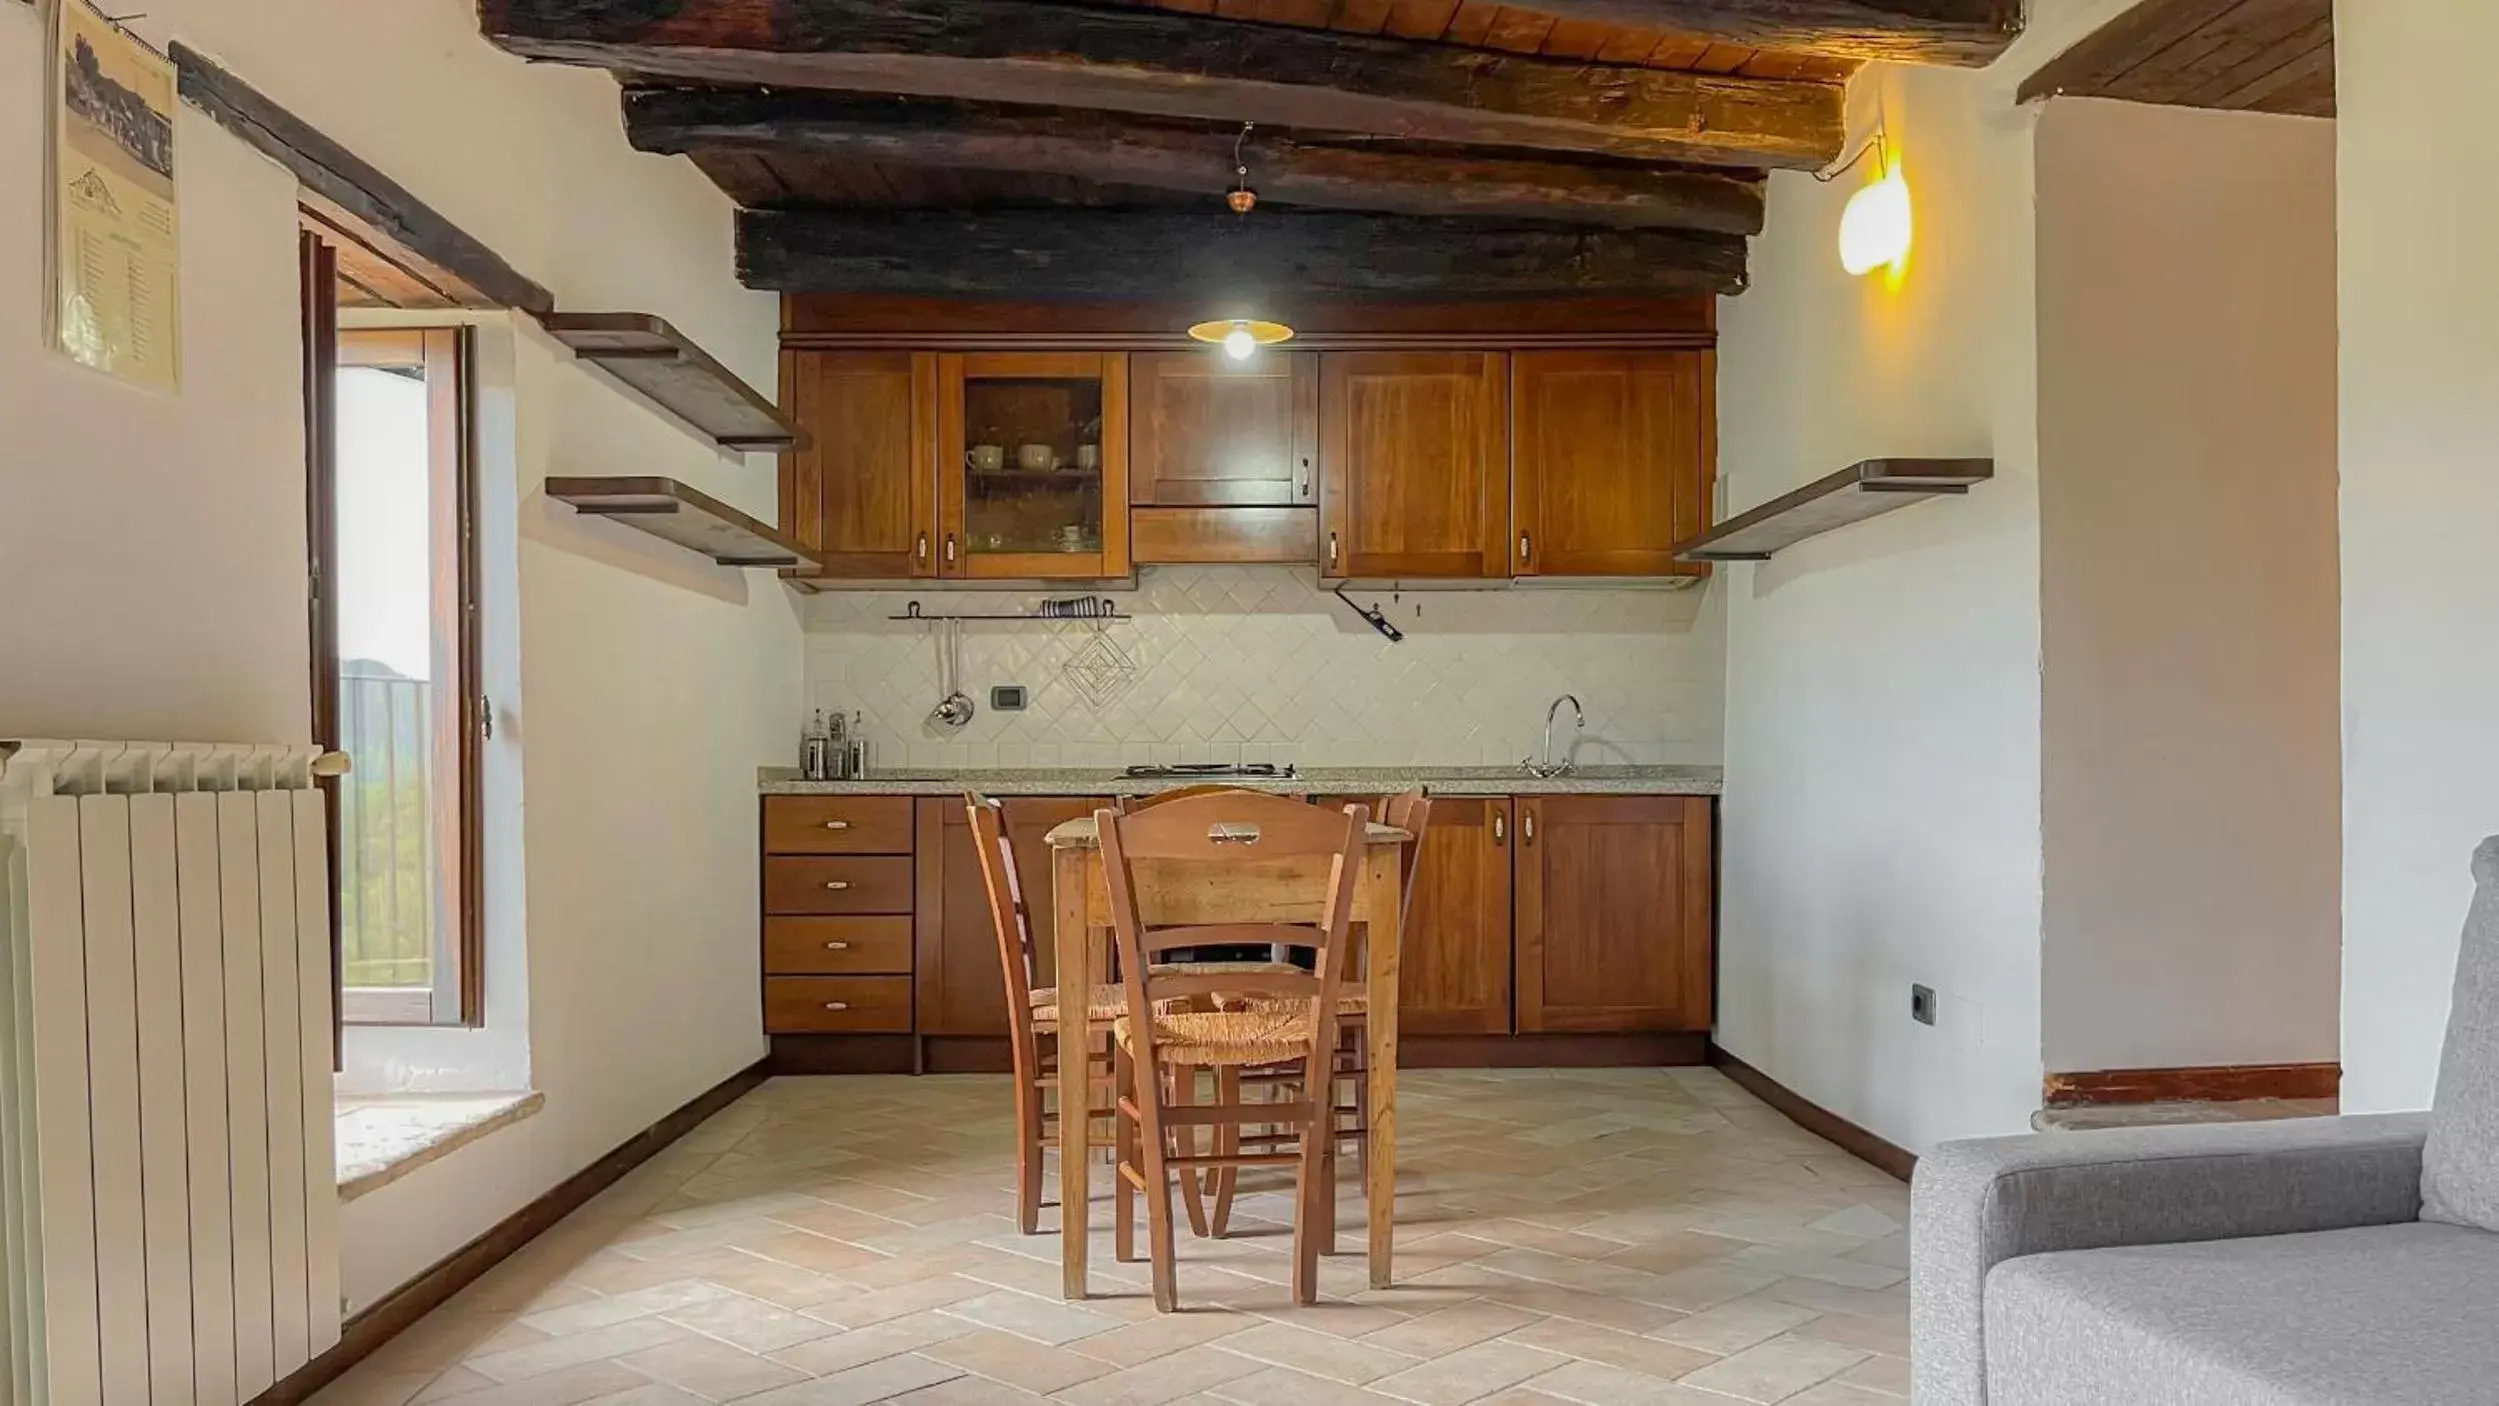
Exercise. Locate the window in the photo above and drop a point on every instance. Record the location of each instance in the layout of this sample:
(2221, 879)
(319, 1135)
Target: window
(396, 606)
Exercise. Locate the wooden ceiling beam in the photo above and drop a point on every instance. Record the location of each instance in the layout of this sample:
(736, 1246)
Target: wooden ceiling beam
(1166, 64)
(1958, 33)
(1224, 262)
(1118, 149)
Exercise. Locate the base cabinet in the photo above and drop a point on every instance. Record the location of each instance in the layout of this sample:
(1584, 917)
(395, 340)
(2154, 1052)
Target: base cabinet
(1565, 916)
(1614, 913)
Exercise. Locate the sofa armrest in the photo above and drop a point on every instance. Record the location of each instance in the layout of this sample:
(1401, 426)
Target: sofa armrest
(1975, 1204)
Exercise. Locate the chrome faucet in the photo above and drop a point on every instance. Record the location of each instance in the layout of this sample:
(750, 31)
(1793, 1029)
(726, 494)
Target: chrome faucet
(1546, 766)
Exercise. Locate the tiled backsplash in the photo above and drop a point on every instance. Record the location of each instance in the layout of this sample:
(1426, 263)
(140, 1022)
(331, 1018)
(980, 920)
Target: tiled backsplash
(1258, 664)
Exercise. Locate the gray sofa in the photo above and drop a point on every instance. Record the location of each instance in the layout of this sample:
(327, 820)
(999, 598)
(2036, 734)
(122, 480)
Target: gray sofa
(2319, 1260)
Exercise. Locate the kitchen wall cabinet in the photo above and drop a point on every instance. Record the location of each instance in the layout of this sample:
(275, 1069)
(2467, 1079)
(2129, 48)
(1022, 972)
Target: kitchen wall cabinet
(1206, 431)
(1032, 452)
(1413, 464)
(1612, 462)
(1614, 898)
(863, 492)
(962, 985)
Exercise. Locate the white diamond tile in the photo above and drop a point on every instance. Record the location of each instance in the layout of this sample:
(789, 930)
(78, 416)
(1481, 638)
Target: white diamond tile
(1258, 664)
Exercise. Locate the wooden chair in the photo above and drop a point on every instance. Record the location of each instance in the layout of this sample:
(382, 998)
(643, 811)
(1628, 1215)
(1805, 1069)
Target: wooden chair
(1411, 812)
(1032, 1009)
(1165, 868)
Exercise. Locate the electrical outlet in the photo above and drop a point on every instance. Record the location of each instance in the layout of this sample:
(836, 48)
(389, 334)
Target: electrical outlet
(1922, 1004)
(1007, 698)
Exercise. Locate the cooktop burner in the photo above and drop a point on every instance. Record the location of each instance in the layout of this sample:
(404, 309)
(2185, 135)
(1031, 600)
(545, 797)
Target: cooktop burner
(1267, 770)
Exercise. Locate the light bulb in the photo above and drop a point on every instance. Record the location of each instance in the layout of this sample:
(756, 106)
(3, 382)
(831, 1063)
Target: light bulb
(1878, 226)
(1239, 343)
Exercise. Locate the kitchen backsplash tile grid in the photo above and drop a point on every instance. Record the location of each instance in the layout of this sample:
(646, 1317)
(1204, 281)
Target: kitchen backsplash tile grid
(1257, 665)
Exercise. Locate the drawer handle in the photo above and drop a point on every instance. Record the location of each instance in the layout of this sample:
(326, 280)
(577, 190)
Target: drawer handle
(837, 885)
(837, 825)
(837, 1005)
(837, 947)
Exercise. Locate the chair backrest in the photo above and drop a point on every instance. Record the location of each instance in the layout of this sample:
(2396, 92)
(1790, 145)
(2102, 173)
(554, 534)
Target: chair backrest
(1410, 811)
(1237, 867)
(1007, 911)
(1131, 805)
(2460, 1162)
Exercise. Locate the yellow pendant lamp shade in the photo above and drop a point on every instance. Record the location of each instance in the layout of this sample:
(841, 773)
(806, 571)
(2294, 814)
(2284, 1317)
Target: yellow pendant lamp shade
(1241, 337)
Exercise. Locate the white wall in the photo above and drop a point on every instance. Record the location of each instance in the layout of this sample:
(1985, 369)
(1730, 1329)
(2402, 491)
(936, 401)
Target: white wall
(2420, 522)
(1257, 664)
(636, 688)
(1882, 806)
(2192, 766)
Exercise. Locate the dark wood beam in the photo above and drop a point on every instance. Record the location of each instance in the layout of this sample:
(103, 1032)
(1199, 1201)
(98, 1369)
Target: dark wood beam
(1961, 33)
(1123, 150)
(357, 201)
(1224, 262)
(1177, 65)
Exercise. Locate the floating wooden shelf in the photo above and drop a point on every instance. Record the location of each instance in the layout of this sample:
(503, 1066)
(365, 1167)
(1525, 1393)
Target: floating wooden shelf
(675, 513)
(655, 359)
(1853, 494)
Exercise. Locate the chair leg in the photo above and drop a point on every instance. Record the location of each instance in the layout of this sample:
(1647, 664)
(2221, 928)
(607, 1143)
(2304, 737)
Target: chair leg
(1158, 1197)
(1310, 1180)
(1124, 1143)
(1192, 1190)
(1358, 1040)
(1028, 1140)
(1227, 1143)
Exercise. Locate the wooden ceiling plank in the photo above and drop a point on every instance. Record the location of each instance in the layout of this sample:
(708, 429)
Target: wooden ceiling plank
(2266, 60)
(1172, 65)
(2220, 46)
(1421, 19)
(2114, 49)
(2261, 94)
(1472, 24)
(1519, 31)
(1222, 262)
(1364, 16)
(1108, 149)
(1962, 33)
(1630, 46)
(1579, 39)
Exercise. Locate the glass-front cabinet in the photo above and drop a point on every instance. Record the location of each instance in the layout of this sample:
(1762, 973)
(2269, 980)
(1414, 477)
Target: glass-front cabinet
(1033, 465)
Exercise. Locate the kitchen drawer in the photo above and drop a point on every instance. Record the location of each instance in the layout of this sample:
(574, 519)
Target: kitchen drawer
(811, 946)
(837, 1005)
(847, 884)
(837, 825)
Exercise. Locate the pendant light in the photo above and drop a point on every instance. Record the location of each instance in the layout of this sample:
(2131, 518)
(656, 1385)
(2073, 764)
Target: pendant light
(1241, 337)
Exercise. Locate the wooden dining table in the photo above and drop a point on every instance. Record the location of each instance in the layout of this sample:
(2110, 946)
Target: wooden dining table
(1274, 891)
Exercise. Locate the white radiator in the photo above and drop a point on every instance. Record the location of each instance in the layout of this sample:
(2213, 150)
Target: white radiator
(168, 1198)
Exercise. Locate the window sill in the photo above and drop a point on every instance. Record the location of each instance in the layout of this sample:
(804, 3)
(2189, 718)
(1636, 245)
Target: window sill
(381, 1140)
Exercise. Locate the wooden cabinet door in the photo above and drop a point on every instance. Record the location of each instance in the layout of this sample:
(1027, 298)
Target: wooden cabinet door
(1207, 431)
(1612, 462)
(1453, 972)
(962, 989)
(863, 492)
(1614, 925)
(1413, 464)
(1063, 517)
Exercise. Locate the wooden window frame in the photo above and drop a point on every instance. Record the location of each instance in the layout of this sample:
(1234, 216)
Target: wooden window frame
(445, 355)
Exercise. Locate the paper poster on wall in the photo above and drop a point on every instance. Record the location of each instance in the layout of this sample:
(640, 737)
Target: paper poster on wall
(115, 240)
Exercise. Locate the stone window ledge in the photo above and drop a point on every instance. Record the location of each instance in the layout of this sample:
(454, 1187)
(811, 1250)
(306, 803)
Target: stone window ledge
(381, 1139)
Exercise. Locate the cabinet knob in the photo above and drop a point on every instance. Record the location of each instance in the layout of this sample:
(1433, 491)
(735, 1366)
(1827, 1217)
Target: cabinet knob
(837, 825)
(837, 885)
(1305, 489)
(1522, 548)
(1527, 826)
(920, 550)
(837, 947)
(1331, 549)
(837, 1005)
(1500, 829)
(949, 549)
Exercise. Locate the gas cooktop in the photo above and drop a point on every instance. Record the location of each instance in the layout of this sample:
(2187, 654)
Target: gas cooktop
(1262, 770)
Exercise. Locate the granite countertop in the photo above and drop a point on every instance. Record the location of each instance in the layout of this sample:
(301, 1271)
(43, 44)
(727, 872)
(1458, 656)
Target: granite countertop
(1102, 781)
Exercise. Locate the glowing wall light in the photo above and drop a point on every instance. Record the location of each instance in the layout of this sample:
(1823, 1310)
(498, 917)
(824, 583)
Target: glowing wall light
(1879, 225)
